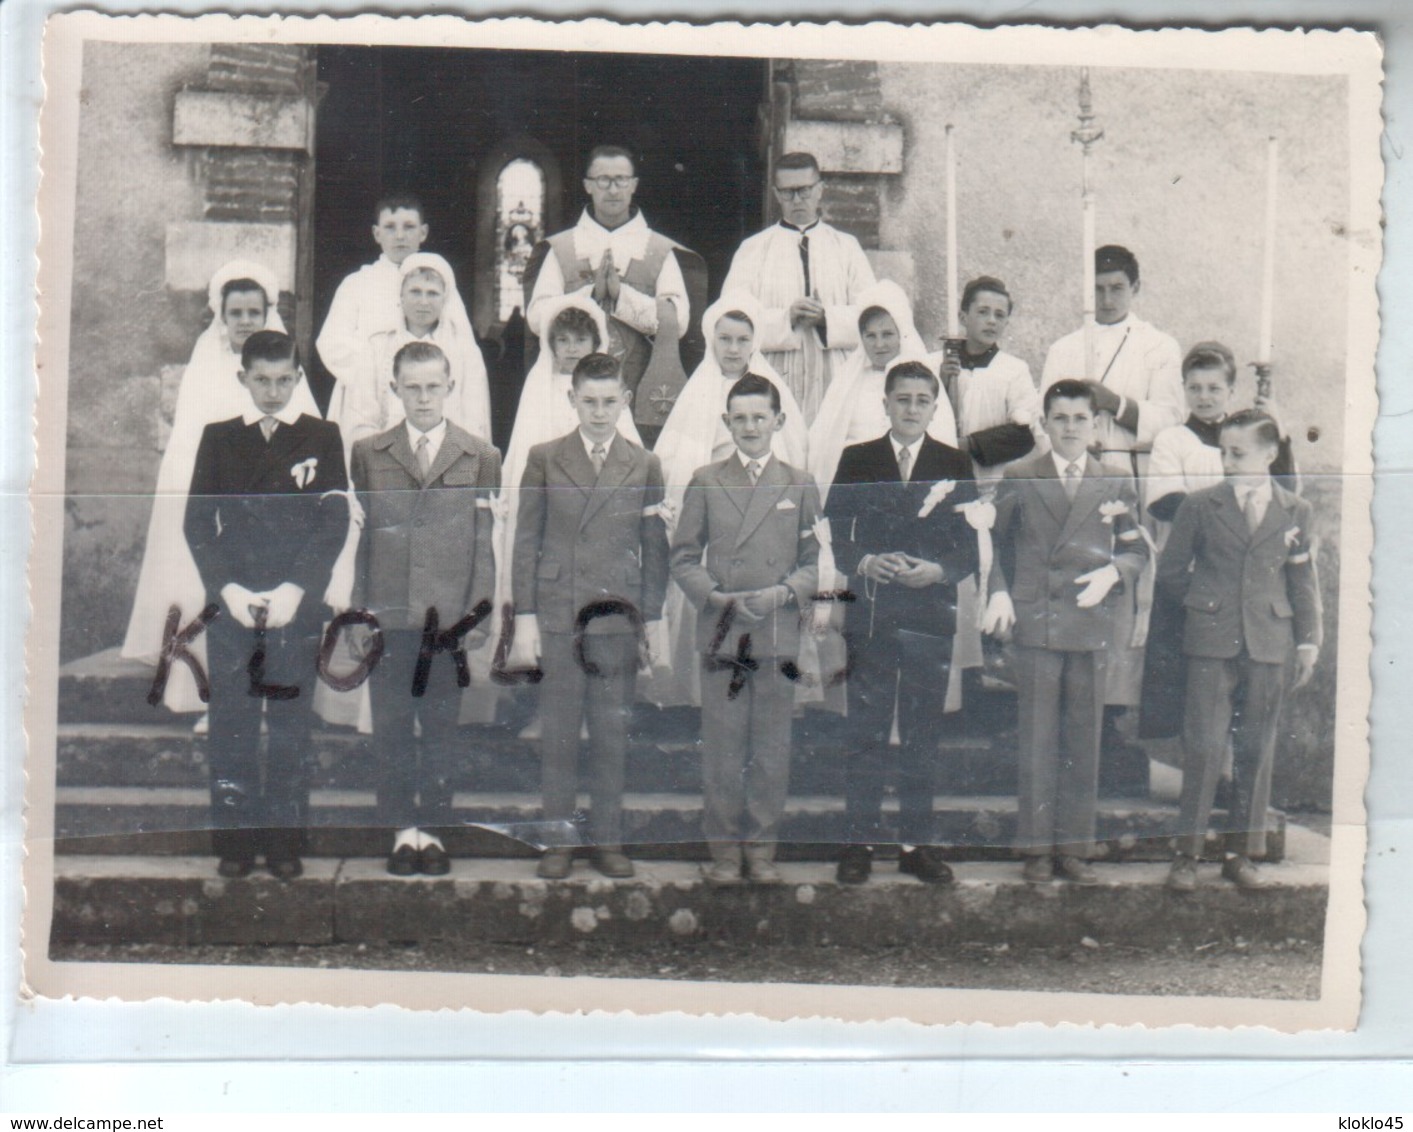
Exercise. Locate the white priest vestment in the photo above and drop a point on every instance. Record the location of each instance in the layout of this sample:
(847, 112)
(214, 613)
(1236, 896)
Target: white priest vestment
(769, 265)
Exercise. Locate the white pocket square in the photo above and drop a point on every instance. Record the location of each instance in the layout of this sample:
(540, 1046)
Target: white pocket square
(785, 505)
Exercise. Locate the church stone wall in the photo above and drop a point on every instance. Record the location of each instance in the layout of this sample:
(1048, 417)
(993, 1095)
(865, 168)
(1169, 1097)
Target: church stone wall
(189, 156)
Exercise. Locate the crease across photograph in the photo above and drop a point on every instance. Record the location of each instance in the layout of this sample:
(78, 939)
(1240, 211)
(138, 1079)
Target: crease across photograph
(579, 515)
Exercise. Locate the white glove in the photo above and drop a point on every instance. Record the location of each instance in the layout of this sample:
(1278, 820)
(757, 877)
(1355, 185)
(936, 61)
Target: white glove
(241, 602)
(525, 648)
(1097, 584)
(283, 603)
(1000, 614)
(656, 634)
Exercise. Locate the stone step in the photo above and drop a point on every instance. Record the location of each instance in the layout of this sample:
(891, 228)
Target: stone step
(105, 688)
(172, 820)
(663, 756)
(180, 900)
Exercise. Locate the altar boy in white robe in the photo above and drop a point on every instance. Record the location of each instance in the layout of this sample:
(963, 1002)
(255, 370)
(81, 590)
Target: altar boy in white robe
(808, 277)
(366, 302)
(1138, 393)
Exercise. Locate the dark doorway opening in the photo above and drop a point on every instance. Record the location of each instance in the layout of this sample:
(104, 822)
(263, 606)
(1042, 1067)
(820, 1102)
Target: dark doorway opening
(439, 122)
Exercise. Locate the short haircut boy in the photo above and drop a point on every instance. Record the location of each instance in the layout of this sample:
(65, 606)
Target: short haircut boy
(986, 283)
(396, 202)
(596, 367)
(1071, 389)
(1268, 432)
(753, 385)
(1210, 355)
(1115, 257)
(911, 371)
(268, 346)
(420, 351)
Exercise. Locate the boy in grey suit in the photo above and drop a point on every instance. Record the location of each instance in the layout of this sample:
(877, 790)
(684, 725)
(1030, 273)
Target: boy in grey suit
(745, 555)
(426, 571)
(1241, 561)
(1067, 546)
(590, 568)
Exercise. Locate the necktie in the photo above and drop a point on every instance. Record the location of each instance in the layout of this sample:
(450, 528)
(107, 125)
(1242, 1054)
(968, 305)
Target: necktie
(597, 456)
(1252, 512)
(905, 464)
(753, 470)
(424, 461)
(267, 427)
(805, 261)
(1072, 479)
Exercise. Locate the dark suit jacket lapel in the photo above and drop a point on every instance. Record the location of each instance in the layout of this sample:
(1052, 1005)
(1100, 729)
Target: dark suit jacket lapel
(1051, 491)
(399, 447)
(1087, 497)
(617, 467)
(1276, 519)
(764, 495)
(270, 458)
(1224, 503)
(574, 462)
(447, 455)
(735, 483)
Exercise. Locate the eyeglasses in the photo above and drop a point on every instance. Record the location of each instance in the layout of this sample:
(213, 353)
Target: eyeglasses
(607, 183)
(797, 194)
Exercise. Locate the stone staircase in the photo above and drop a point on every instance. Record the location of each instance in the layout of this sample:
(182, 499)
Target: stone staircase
(132, 858)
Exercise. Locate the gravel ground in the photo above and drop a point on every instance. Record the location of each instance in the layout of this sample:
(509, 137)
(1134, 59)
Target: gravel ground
(1289, 970)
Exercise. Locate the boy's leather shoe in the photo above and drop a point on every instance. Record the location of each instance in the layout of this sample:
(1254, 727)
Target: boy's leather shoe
(433, 861)
(612, 863)
(1182, 877)
(285, 868)
(1242, 873)
(926, 863)
(555, 865)
(1076, 871)
(402, 861)
(855, 865)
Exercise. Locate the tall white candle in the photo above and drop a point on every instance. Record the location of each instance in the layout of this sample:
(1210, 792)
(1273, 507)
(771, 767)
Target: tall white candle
(1268, 262)
(953, 295)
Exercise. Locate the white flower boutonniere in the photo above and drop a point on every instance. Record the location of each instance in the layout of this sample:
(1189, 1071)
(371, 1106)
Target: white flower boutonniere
(980, 514)
(939, 491)
(1112, 508)
(304, 472)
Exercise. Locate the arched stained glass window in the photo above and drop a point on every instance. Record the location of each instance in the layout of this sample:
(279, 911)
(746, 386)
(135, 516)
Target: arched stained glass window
(520, 212)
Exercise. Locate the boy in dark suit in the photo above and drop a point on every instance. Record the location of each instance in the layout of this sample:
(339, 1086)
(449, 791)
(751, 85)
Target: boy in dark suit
(265, 519)
(1241, 561)
(590, 567)
(1067, 546)
(745, 554)
(893, 512)
(425, 566)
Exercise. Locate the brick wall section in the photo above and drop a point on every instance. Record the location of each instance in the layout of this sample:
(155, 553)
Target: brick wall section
(256, 68)
(842, 90)
(254, 185)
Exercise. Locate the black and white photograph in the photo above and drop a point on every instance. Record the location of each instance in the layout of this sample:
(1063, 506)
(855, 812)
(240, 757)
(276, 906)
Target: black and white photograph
(806, 520)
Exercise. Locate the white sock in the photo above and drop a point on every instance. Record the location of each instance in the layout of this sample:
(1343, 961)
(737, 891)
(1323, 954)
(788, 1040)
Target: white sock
(427, 840)
(409, 837)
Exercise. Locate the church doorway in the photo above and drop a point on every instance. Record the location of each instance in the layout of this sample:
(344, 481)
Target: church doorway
(493, 142)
